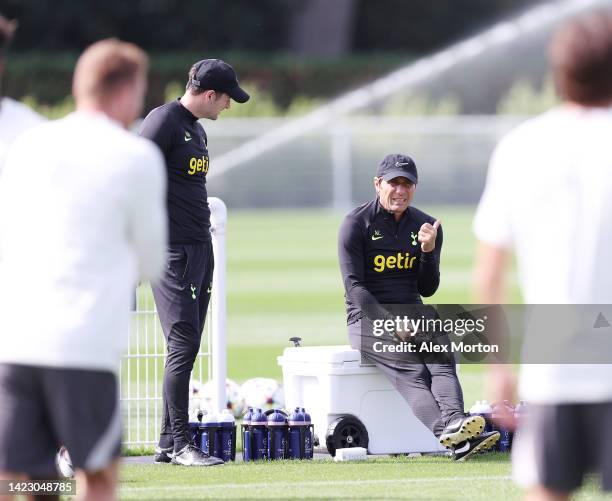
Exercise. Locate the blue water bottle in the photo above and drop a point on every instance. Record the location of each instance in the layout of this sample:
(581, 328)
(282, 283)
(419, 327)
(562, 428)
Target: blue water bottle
(496, 426)
(503, 445)
(520, 413)
(209, 429)
(276, 435)
(296, 422)
(260, 434)
(226, 435)
(510, 411)
(247, 454)
(486, 411)
(195, 431)
(308, 447)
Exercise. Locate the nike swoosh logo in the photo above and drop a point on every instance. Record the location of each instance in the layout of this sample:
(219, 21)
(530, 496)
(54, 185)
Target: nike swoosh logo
(187, 139)
(398, 164)
(465, 448)
(377, 238)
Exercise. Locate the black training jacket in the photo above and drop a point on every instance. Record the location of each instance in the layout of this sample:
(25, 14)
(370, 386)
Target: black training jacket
(183, 142)
(381, 260)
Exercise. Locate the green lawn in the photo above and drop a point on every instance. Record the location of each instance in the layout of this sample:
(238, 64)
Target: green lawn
(283, 281)
(283, 277)
(483, 478)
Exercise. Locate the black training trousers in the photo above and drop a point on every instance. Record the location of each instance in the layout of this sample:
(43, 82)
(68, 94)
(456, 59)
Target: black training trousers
(431, 389)
(182, 298)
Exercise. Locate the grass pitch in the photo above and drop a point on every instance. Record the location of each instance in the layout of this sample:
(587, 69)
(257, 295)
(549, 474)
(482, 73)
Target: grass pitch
(388, 478)
(483, 478)
(283, 281)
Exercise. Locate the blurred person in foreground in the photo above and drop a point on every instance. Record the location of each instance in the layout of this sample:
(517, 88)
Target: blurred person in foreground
(15, 117)
(183, 294)
(389, 254)
(548, 198)
(82, 218)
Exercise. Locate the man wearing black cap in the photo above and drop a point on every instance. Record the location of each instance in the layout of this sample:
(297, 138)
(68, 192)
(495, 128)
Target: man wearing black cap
(389, 256)
(183, 295)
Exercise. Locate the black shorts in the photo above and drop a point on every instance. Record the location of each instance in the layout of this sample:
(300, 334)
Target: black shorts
(559, 444)
(42, 408)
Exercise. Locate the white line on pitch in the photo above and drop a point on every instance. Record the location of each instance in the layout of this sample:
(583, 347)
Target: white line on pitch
(315, 483)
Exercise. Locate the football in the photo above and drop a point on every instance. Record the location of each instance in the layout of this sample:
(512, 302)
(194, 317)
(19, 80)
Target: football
(195, 395)
(235, 400)
(263, 393)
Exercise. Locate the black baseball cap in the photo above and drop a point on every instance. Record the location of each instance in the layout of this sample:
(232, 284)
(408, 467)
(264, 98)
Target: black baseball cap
(215, 74)
(395, 165)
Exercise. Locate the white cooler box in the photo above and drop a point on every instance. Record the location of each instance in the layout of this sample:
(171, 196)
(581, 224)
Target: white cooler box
(357, 399)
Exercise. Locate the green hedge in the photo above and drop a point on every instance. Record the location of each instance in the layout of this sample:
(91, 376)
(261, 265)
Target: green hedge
(280, 84)
(46, 77)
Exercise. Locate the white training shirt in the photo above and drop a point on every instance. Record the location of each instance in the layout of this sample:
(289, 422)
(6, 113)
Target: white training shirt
(82, 218)
(15, 118)
(548, 197)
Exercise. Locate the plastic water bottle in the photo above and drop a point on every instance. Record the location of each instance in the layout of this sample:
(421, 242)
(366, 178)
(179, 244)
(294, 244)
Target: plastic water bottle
(496, 426)
(505, 435)
(247, 454)
(296, 422)
(487, 413)
(510, 411)
(195, 431)
(227, 423)
(277, 427)
(209, 430)
(260, 434)
(308, 438)
(520, 414)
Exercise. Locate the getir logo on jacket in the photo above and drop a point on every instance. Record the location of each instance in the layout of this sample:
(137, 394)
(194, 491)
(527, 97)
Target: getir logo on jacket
(198, 165)
(401, 261)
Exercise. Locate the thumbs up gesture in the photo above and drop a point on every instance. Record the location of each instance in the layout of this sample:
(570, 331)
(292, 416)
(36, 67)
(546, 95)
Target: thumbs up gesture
(427, 236)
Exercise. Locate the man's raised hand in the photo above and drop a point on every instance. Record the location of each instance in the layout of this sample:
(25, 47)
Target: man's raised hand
(427, 236)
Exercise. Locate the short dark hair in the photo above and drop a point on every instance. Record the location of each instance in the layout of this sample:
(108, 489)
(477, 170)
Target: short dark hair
(581, 58)
(191, 87)
(7, 30)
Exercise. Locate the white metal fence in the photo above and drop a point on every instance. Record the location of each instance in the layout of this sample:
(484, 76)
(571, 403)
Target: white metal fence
(333, 166)
(142, 365)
